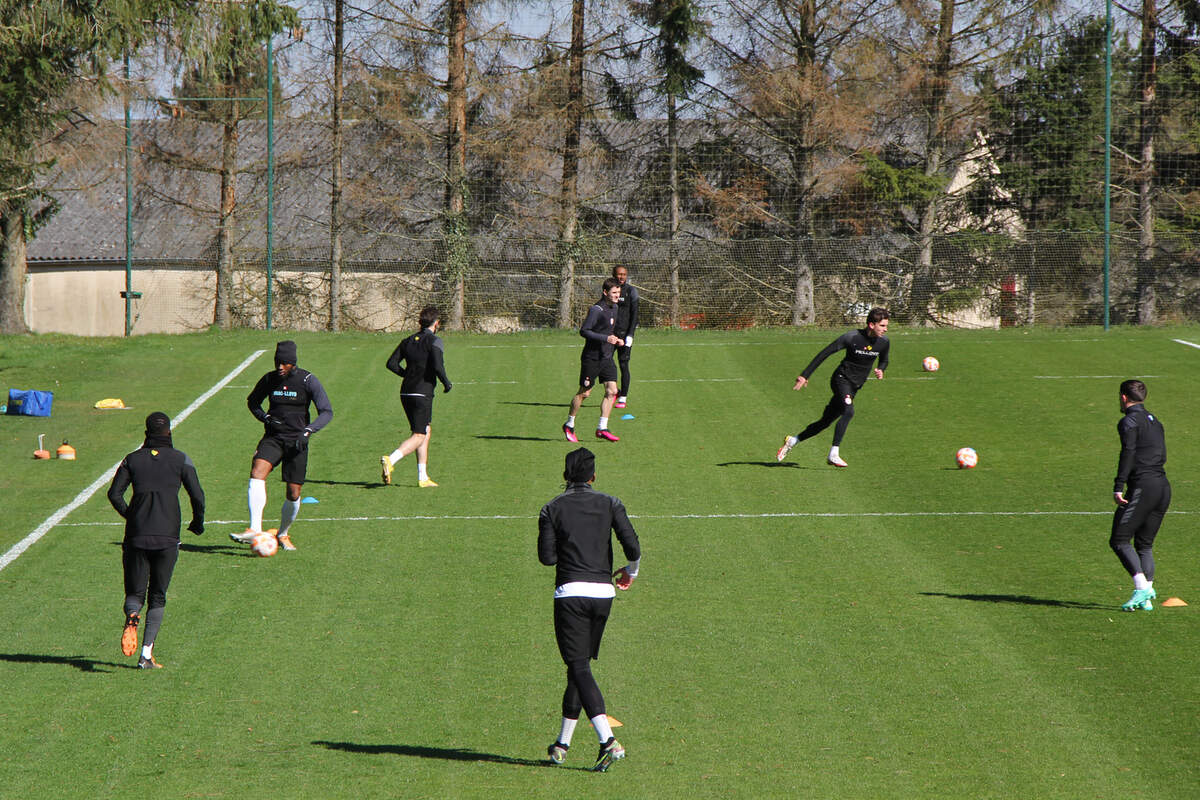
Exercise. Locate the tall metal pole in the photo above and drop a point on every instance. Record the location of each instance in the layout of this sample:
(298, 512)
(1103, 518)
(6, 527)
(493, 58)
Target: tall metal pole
(270, 175)
(128, 293)
(1108, 32)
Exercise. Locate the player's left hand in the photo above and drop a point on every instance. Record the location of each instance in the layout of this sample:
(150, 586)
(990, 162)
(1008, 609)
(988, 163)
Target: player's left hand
(879, 374)
(447, 387)
(1120, 498)
(196, 526)
(629, 341)
(801, 382)
(623, 579)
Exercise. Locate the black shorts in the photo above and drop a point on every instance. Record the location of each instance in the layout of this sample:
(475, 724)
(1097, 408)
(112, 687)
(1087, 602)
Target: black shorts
(292, 452)
(841, 387)
(592, 368)
(419, 410)
(579, 626)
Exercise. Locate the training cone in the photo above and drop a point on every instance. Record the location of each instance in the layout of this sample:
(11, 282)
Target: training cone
(41, 453)
(1172, 602)
(613, 722)
(65, 451)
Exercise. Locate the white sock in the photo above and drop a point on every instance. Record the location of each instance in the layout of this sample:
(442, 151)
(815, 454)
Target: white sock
(567, 730)
(422, 475)
(603, 729)
(257, 496)
(571, 421)
(603, 424)
(396, 455)
(148, 651)
(621, 399)
(287, 515)
(1140, 582)
(833, 452)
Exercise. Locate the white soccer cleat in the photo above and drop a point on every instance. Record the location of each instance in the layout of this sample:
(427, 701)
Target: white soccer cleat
(245, 538)
(837, 461)
(788, 443)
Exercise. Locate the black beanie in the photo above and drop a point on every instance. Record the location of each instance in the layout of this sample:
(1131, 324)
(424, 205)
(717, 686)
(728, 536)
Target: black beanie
(580, 466)
(285, 352)
(158, 424)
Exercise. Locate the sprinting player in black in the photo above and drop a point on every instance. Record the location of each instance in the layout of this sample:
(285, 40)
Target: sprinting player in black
(287, 428)
(1142, 493)
(866, 350)
(151, 547)
(420, 362)
(575, 537)
(627, 320)
(596, 361)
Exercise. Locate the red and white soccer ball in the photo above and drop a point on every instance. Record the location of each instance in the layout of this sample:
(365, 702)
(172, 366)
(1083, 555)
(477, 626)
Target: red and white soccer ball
(966, 458)
(265, 545)
(930, 364)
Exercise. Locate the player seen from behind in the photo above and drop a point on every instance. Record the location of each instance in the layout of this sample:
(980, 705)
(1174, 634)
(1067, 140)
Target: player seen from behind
(866, 351)
(575, 537)
(1141, 491)
(419, 360)
(287, 429)
(151, 547)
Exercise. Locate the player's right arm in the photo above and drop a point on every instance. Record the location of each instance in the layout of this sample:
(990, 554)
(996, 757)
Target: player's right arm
(393, 362)
(1127, 429)
(116, 490)
(588, 329)
(546, 545)
(833, 347)
(254, 400)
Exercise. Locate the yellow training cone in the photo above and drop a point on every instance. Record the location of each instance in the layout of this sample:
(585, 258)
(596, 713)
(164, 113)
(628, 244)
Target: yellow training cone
(1172, 602)
(613, 722)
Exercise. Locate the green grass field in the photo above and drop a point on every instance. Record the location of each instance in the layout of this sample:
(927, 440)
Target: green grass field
(898, 629)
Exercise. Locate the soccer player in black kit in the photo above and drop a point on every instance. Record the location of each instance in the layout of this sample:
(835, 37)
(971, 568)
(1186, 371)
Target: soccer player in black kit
(575, 537)
(596, 361)
(287, 428)
(627, 321)
(1141, 491)
(866, 351)
(151, 547)
(420, 362)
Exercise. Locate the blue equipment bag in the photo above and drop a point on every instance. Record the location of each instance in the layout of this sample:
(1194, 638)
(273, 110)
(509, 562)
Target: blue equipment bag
(29, 402)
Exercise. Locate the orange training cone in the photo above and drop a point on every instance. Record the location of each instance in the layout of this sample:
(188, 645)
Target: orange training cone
(1172, 602)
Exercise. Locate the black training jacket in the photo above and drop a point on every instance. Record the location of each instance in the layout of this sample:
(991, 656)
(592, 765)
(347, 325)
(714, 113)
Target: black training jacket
(575, 535)
(156, 471)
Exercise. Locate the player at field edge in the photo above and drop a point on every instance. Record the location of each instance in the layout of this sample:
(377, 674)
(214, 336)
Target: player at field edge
(419, 360)
(866, 351)
(1141, 491)
(150, 549)
(575, 537)
(287, 429)
(596, 360)
(627, 320)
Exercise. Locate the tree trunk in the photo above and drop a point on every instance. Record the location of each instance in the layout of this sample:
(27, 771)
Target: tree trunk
(937, 86)
(456, 162)
(335, 193)
(222, 315)
(569, 192)
(12, 270)
(1147, 129)
(673, 177)
(800, 138)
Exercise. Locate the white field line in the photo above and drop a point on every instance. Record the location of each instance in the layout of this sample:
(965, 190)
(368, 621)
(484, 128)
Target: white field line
(57, 517)
(765, 515)
(1082, 377)
(1189, 344)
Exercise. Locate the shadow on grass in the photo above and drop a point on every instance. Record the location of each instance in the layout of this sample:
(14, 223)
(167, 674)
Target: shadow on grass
(444, 753)
(527, 403)
(363, 484)
(230, 549)
(518, 438)
(1021, 600)
(770, 464)
(78, 662)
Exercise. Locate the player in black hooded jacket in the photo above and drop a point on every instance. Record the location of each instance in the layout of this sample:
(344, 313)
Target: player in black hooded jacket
(287, 428)
(420, 361)
(152, 517)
